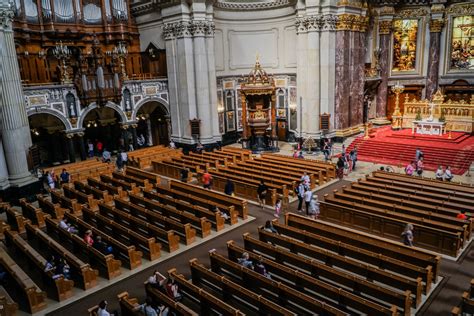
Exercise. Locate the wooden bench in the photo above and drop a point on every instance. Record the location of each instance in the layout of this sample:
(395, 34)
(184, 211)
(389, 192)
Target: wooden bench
(128, 306)
(170, 169)
(207, 302)
(58, 289)
(128, 253)
(33, 213)
(236, 293)
(8, 307)
(375, 244)
(106, 264)
(328, 168)
(467, 304)
(3, 227)
(157, 214)
(131, 179)
(83, 198)
(431, 238)
(83, 275)
(55, 210)
(220, 199)
(98, 194)
(244, 153)
(126, 234)
(72, 204)
(15, 220)
(26, 293)
(167, 237)
(153, 178)
(119, 183)
(113, 190)
(282, 294)
(174, 306)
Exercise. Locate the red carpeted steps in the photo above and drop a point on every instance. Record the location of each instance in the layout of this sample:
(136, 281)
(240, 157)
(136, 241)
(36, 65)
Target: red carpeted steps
(389, 148)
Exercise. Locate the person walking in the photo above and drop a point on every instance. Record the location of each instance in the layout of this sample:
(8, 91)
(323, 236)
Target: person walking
(229, 187)
(340, 168)
(277, 208)
(307, 199)
(410, 168)
(353, 156)
(419, 166)
(262, 193)
(299, 190)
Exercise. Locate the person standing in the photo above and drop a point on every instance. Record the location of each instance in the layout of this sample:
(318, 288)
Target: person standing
(277, 208)
(229, 187)
(305, 179)
(418, 154)
(340, 168)
(262, 193)
(307, 199)
(314, 208)
(99, 146)
(419, 166)
(353, 155)
(299, 190)
(207, 180)
(90, 148)
(124, 157)
(410, 168)
(407, 235)
(50, 180)
(64, 176)
(326, 150)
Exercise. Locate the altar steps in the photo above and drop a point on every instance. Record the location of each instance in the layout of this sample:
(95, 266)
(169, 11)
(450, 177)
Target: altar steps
(386, 150)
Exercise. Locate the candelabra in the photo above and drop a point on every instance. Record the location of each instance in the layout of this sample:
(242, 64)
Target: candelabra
(63, 53)
(397, 116)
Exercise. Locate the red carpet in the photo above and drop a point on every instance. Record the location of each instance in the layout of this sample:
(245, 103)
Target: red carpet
(398, 148)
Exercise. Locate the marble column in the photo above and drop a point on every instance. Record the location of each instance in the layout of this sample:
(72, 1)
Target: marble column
(382, 91)
(311, 108)
(133, 129)
(328, 66)
(82, 146)
(201, 73)
(357, 78)
(433, 58)
(4, 184)
(211, 63)
(14, 121)
(301, 69)
(71, 149)
(341, 120)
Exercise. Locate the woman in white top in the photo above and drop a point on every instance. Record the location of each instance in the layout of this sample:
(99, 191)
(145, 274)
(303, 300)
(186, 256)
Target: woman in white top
(439, 173)
(314, 207)
(448, 176)
(307, 199)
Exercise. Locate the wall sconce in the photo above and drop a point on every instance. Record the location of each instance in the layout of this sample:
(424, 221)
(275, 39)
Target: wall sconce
(91, 124)
(151, 52)
(35, 131)
(292, 107)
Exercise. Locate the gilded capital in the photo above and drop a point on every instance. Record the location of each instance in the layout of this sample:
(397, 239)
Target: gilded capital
(436, 26)
(345, 22)
(385, 27)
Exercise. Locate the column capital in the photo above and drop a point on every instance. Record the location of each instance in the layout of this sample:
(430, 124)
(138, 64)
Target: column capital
(351, 22)
(6, 17)
(177, 29)
(385, 27)
(436, 26)
(329, 22)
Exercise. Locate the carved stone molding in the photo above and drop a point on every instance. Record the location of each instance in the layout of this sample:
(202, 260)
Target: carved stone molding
(385, 27)
(411, 13)
(188, 29)
(6, 19)
(461, 9)
(436, 26)
(329, 22)
(199, 28)
(252, 5)
(313, 23)
(351, 22)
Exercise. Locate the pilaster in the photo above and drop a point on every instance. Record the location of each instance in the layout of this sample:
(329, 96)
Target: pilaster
(436, 26)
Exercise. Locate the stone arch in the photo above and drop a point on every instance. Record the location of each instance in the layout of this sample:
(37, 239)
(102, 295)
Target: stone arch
(162, 103)
(94, 105)
(35, 111)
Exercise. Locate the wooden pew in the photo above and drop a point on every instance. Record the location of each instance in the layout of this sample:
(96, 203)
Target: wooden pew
(120, 183)
(220, 199)
(445, 242)
(131, 256)
(111, 189)
(467, 304)
(72, 204)
(161, 219)
(153, 178)
(328, 168)
(282, 294)
(128, 236)
(244, 153)
(83, 275)
(198, 213)
(83, 198)
(311, 267)
(391, 249)
(3, 227)
(55, 210)
(34, 214)
(176, 307)
(26, 293)
(15, 220)
(96, 193)
(106, 264)
(128, 306)
(206, 301)
(232, 291)
(167, 237)
(131, 179)
(60, 288)
(8, 307)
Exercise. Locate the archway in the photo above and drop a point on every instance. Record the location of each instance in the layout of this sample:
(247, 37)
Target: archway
(153, 123)
(102, 124)
(48, 135)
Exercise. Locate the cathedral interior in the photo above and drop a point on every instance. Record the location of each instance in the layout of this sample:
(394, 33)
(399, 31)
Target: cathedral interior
(259, 75)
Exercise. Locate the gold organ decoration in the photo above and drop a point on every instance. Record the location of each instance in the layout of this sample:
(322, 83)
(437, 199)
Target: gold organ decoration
(404, 45)
(462, 43)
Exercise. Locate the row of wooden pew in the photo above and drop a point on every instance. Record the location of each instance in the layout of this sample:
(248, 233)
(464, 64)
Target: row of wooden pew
(142, 158)
(383, 203)
(466, 307)
(83, 169)
(314, 268)
(280, 173)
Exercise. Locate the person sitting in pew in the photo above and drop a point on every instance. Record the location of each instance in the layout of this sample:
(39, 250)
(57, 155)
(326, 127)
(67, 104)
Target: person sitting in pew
(157, 281)
(102, 246)
(407, 235)
(260, 268)
(62, 269)
(207, 180)
(439, 173)
(448, 176)
(150, 309)
(244, 261)
(88, 237)
(3, 275)
(106, 155)
(269, 227)
(215, 209)
(63, 224)
(172, 290)
(65, 177)
(462, 215)
(102, 311)
(50, 264)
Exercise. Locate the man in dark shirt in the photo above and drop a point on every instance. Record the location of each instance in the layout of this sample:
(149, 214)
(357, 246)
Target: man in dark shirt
(184, 174)
(229, 187)
(64, 176)
(262, 193)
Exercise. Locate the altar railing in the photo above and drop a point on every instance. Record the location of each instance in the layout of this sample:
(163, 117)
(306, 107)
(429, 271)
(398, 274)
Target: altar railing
(458, 115)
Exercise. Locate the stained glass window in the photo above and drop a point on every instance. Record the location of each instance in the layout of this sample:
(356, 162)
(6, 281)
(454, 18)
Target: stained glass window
(404, 45)
(462, 43)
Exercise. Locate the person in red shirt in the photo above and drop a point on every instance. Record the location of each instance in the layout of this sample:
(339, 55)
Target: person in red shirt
(462, 215)
(207, 180)
(88, 238)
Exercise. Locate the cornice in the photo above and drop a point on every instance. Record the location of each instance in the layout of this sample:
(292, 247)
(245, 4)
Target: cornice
(411, 13)
(252, 5)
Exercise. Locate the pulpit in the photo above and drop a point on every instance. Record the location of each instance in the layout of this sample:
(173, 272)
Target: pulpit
(258, 111)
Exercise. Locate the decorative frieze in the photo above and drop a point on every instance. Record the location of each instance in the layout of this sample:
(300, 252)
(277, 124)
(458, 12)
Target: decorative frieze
(327, 22)
(385, 27)
(411, 13)
(461, 9)
(252, 5)
(188, 29)
(351, 22)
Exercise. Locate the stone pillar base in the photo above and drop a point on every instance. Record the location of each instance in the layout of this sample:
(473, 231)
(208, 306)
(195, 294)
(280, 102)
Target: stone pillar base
(19, 182)
(381, 121)
(16, 192)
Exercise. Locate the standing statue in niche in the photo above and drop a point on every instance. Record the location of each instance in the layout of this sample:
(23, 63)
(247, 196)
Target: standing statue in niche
(432, 106)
